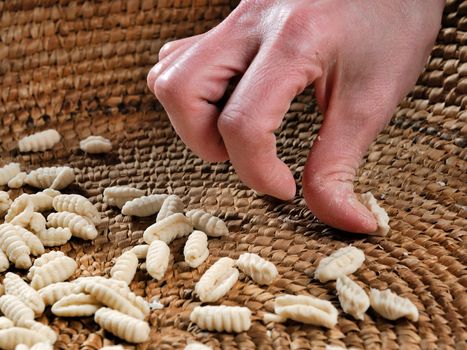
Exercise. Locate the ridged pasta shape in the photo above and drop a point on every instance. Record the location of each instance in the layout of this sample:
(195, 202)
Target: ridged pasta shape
(140, 250)
(20, 211)
(40, 141)
(56, 178)
(95, 145)
(382, 218)
(4, 262)
(57, 270)
(123, 326)
(17, 181)
(75, 203)
(259, 269)
(78, 225)
(112, 298)
(44, 259)
(12, 337)
(76, 305)
(269, 317)
(196, 249)
(5, 203)
(391, 306)
(117, 196)
(172, 227)
(9, 171)
(13, 308)
(197, 346)
(15, 285)
(222, 318)
(343, 261)
(157, 259)
(37, 223)
(217, 280)
(43, 201)
(47, 332)
(306, 309)
(38, 346)
(14, 247)
(54, 236)
(56, 291)
(144, 206)
(171, 205)
(5, 323)
(32, 241)
(125, 267)
(210, 224)
(352, 297)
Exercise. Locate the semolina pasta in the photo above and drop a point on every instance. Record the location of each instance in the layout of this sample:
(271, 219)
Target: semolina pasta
(123, 326)
(306, 309)
(30, 239)
(352, 297)
(260, 270)
(5, 203)
(4, 262)
(217, 280)
(171, 205)
(382, 218)
(54, 236)
(20, 211)
(76, 305)
(44, 259)
(157, 259)
(125, 267)
(14, 247)
(391, 306)
(13, 308)
(74, 203)
(144, 206)
(12, 337)
(140, 250)
(211, 225)
(54, 292)
(57, 270)
(269, 317)
(5, 323)
(37, 223)
(8, 172)
(18, 180)
(168, 229)
(117, 196)
(78, 225)
(43, 201)
(40, 141)
(15, 285)
(47, 332)
(343, 261)
(222, 318)
(38, 346)
(56, 178)
(95, 145)
(197, 346)
(196, 249)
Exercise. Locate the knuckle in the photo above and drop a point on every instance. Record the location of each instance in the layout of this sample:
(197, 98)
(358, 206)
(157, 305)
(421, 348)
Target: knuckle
(167, 87)
(232, 122)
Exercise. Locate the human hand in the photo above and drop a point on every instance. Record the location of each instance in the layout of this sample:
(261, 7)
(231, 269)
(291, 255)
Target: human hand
(362, 57)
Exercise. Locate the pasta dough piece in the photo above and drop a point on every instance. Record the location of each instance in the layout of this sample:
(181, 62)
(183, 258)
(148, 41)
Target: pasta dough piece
(40, 141)
(57, 270)
(44, 259)
(210, 224)
(123, 326)
(38, 346)
(78, 225)
(20, 211)
(117, 196)
(140, 250)
(269, 317)
(144, 206)
(4, 262)
(18, 180)
(196, 249)
(76, 305)
(14, 247)
(56, 178)
(95, 144)
(217, 280)
(15, 285)
(391, 306)
(382, 218)
(125, 267)
(352, 297)
(306, 309)
(8, 172)
(171, 205)
(157, 259)
(11, 337)
(222, 318)
(172, 227)
(47, 332)
(197, 346)
(37, 223)
(13, 308)
(5, 322)
(74, 203)
(343, 261)
(5, 203)
(43, 201)
(260, 270)
(113, 347)
(54, 237)
(32, 241)
(56, 291)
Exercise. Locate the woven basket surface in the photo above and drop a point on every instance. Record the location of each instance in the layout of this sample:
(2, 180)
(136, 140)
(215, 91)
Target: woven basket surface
(80, 67)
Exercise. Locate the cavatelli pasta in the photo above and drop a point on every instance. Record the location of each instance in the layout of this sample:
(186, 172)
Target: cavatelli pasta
(11, 337)
(40, 141)
(14, 247)
(76, 305)
(352, 297)
(30, 239)
(5, 203)
(196, 249)
(56, 291)
(54, 177)
(38, 346)
(343, 261)
(75, 203)
(382, 218)
(140, 250)
(44, 259)
(47, 332)
(217, 280)
(18, 180)
(54, 236)
(15, 285)
(20, 211)
(259, 269)
(57, 270)
(123, 326)
(43, 201)
(95, 145)
(4, 262)
(5, 323)
(125, 267)
(13, 308)
(168, 229)
(157, 259)
(222, 318)
(37, 223)
(144, 206)
(118, 195)
(8, 172)
(211, 225)
(171, 205)
(197, 346)
(78, 225)
(391, 306)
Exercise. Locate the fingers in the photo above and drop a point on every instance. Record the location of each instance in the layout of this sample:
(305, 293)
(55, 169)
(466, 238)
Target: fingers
(255, 109)
(172, 46)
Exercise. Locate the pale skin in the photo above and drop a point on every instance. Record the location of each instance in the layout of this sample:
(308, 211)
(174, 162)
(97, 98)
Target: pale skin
(362, 57)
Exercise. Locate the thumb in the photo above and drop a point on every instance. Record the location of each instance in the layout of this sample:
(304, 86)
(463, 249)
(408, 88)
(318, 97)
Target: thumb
(343, 140)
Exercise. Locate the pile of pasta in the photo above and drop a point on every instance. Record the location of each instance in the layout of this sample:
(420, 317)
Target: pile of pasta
(34, 222)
